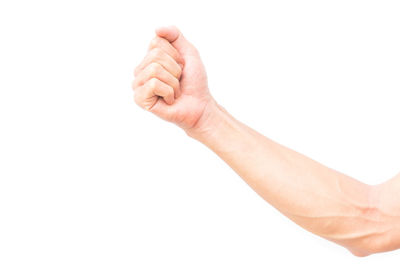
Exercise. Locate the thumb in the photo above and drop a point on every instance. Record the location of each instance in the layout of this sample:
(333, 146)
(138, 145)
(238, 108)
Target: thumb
(176, 38)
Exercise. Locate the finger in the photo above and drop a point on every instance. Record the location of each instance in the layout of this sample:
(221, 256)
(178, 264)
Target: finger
(163, 44)
(171, 33)
(155, 70)
(178, 41)
(147, 95)
(159, 56)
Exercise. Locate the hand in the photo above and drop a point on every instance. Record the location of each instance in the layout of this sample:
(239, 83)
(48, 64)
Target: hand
(171, 81)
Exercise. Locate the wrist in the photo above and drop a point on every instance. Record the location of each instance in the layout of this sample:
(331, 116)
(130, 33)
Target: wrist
(206, 126)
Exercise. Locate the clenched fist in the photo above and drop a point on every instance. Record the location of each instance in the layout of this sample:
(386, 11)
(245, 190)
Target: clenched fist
(171, 81)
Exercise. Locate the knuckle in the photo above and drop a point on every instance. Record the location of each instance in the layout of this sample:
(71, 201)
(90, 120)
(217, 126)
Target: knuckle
(169, 89)
(176, 83)
(135, 84)
(156, 53)
(171, 92)
(136, 71)
(154, 69)
(137, 99)
(179, 74)
(152, 83)
(154, 42)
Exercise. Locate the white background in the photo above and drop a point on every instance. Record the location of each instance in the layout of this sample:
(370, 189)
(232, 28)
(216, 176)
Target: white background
(89, 179)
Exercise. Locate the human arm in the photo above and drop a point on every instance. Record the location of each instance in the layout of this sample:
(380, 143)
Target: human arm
(319, 199)
(362, 218)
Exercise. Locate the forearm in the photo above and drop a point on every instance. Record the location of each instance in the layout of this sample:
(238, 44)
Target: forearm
(321, 200)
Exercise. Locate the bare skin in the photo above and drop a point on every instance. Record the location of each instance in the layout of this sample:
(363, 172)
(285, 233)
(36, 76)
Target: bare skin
(171, 82)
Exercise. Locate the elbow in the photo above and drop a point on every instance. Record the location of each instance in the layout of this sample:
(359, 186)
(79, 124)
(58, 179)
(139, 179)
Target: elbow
(382, 238)
(368, 247)
(360, 254)
(376, 228)
(364, 251)
(369, 240)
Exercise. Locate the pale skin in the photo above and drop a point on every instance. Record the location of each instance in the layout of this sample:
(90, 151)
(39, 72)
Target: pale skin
(171, 82)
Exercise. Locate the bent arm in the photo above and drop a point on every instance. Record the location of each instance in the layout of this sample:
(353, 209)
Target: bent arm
(319, 199)
(171, 82)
